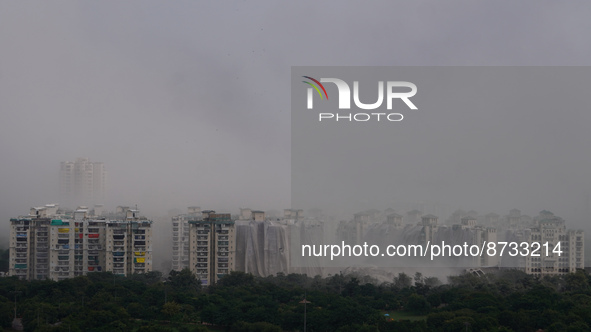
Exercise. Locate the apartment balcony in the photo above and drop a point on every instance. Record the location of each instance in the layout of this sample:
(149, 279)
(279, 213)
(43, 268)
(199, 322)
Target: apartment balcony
(139, 237)
(20, 260)
(62, 263)
(63, 236)
(63, 241)
(201, 265)
(21, 249)
(63, 258)
(118, 265)
(139, 243)
(118, 243)
(118, 253)
(119, 237)
(94, 263)
(63, 252)
(21, 255)
(22, 245)
(118, 260)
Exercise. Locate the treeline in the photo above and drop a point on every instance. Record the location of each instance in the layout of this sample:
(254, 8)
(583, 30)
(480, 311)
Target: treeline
(507, 301)
(4, 258)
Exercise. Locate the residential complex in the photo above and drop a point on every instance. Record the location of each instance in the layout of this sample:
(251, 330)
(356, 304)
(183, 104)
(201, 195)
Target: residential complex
(53, 244)
(552, 230)
(545, 231)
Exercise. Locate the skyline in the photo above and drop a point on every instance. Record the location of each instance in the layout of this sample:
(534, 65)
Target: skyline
(183, 116)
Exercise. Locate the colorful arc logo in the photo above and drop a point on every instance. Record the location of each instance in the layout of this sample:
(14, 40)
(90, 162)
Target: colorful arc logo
(316, 87)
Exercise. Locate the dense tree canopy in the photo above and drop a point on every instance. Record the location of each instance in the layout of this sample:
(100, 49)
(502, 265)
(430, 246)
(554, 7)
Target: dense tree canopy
(507, 301)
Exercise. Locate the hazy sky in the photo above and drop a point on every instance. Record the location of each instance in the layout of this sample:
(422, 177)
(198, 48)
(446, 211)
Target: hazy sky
(187, 102)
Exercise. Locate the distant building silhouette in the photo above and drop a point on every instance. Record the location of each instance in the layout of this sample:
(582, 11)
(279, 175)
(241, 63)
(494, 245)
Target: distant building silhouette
(82, 182)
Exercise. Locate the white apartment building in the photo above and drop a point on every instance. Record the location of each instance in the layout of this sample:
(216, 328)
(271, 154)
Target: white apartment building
(552, 230)
(47, 244)
(180, 237)
(212, 246)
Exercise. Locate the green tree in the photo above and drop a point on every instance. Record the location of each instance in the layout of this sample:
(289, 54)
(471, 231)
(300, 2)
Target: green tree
(417, 304)
(402, 281)
(171, 309)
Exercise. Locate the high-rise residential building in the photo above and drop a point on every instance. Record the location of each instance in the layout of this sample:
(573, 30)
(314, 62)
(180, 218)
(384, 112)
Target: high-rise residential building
(82, 181)
(180, 237)
(212, 246)
(552, 259)
(54, 244)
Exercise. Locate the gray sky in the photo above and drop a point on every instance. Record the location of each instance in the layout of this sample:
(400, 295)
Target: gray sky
(187, 102)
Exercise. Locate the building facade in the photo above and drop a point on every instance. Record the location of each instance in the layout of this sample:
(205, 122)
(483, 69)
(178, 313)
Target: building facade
(180, 237)
(47, 244)
(212, 246)
(553, 259)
